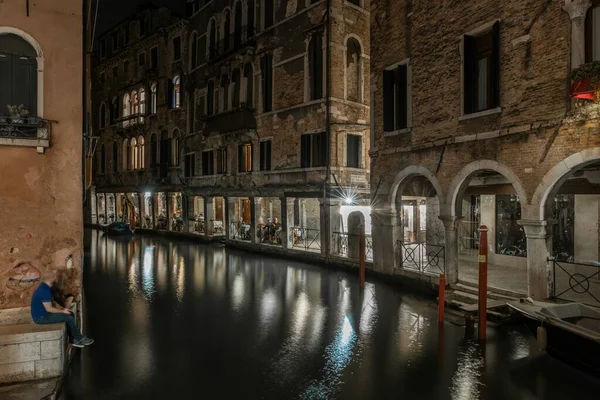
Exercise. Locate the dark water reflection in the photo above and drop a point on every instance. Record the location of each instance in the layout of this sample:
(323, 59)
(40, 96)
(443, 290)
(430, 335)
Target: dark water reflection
(179, 320)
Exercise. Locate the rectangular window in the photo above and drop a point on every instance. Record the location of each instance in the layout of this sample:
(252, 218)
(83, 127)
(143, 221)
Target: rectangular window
(395, 98)
(592, 32)
(353, 151)
(115, 42)
(266, 71)
(126, 35)
(190, 165)
(115, 71)
(245, 157)
(210, 98)
(222, 161)
(265, 155)
(177, 48)
(154, 58)
(208, 162)
(482, 71)
(141, 59)
(313, 150)
(268, 13)
(355, 2)
(102, 48)
(510, 236)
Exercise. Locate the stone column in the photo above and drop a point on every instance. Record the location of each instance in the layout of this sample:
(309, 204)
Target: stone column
(451, 247)
(142, 205)
(254, 216)
(208, 216)
(169, 207)
(185, 211)
(386, 230)
(330, 222)
(577, 10)
(287, 222)
(230, 218)
(539, 250)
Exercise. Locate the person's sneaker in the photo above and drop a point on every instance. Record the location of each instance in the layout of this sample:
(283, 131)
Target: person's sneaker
(85, 341)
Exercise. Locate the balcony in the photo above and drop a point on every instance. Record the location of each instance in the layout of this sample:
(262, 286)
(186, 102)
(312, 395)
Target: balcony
(130, 121)
(231, 44)
(239, 119)
(25, 132)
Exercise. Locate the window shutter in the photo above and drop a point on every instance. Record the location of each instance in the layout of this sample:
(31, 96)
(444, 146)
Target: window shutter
(6, 82)
(305, 151)
(251, 157)
(240, 158)
(171, 99)
(495, 67)
(268, 161)
(25, 83)
(402, 104)
(468, 73)
(388, 101)
(322, 137)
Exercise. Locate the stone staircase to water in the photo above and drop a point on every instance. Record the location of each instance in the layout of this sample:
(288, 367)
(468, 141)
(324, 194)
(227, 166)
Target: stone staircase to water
(463, 298)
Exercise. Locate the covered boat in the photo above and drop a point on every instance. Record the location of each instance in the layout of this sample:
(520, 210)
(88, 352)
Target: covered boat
(119, 229)
(569, 332)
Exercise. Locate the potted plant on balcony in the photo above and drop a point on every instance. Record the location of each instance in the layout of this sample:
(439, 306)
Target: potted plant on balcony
(17, 113)
(586, 81)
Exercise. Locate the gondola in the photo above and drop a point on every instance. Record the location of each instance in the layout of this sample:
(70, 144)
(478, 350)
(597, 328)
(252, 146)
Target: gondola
(118, 229)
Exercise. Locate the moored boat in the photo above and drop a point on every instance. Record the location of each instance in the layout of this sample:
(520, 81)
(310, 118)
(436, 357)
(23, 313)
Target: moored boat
(569, 332)
(119, 229)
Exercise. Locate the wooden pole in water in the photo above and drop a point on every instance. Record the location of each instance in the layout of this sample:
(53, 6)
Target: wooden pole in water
(483, 272)
(442, 299)
(362, 255)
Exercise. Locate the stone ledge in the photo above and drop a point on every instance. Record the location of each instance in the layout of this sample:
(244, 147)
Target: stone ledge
(27, 333)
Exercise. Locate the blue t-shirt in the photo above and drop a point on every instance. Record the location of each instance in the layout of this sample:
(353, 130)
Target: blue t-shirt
(42, 294)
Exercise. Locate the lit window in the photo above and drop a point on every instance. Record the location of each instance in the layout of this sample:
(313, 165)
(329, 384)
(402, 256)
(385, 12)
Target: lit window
(176, 93)
(153, 98)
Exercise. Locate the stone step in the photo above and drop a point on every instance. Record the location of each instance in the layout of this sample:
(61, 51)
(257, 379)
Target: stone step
(475, 291)
(495, 290)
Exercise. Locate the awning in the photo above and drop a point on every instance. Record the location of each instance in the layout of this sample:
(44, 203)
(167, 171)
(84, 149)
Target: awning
(583, 89)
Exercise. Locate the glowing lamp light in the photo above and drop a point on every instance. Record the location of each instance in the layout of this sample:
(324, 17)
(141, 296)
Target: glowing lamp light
(348, 200)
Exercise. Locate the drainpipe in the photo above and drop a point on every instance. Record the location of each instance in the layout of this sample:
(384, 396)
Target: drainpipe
(327, 128)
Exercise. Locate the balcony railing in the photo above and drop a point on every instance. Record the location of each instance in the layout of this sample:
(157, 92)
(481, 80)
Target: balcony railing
(130, 121)
(25, 131)
(231, 43)
(230, 121)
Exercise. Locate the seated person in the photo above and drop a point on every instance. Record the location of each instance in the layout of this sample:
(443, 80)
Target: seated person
(268, 230)
(277, 230)
(43, 311)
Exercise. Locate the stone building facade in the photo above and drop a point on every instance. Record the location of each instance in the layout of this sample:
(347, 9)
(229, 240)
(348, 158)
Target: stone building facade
(41, 78)
(266, 124)
(474, 121)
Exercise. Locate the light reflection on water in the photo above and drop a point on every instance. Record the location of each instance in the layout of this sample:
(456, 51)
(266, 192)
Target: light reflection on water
(168, 315)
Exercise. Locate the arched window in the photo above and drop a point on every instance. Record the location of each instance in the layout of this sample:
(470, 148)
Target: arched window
(248, 86)
(210, 98)
(175, 148)
(18, 74)
(141, 153)
(234, 91)
(193, 50)
(126, 108)
(176, 94)
(153, 98)
(102, 159)
(250, 25)
(133, 147)
(153, 151)
(227, 30)
(212, 39)
(353, 71)
(315, 67)
(115, 158)
(126, 155)
(114, 110)
(102, 121)
(135, 102)
(237, 24)
(142, 104)
(224, 93)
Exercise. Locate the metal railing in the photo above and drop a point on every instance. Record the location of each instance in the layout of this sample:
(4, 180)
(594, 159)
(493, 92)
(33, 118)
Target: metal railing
(24, 128)
(129, 121)
(307, 239)
(468, 238)
(576, 282)
(348, 245)
(231, 42)
(423, 257)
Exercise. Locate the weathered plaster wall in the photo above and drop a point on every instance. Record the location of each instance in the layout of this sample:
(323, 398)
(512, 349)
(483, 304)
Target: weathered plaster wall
(41, 194)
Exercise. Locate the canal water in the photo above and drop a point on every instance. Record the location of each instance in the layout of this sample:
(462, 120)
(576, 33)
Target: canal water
(179, 320)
